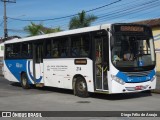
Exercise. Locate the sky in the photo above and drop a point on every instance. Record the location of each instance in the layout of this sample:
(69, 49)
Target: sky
(107, 11)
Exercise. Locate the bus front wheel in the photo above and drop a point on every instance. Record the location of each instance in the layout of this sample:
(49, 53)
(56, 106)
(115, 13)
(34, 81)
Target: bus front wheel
(24, 81)
(81, 87)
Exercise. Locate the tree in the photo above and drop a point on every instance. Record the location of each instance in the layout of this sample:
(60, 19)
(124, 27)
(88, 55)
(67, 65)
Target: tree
(46, 30)
(82, 20)
(33, 29)
(39, 29)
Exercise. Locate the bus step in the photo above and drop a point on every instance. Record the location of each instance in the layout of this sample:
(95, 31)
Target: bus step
(103, 92)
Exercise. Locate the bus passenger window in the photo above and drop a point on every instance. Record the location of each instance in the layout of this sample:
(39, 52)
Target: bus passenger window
(55, 53)
(80, 45)
(8, 51)
(13, 51)
(75, 51)
(63, 53)
(60, 47)
(26, 50)
(48, 49)
(63, 47)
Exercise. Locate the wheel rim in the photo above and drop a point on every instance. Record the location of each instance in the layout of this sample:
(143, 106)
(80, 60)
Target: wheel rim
(81, 86)
(24, 81)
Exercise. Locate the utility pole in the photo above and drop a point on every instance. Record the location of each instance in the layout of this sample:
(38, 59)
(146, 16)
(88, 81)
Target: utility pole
(5, 17)
(5, 21)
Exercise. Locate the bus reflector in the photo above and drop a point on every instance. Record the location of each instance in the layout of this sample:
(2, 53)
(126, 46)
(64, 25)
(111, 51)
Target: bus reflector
(80, 61)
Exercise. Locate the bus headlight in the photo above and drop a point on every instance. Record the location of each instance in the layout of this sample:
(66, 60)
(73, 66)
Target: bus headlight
(117, 79)
(154, 77)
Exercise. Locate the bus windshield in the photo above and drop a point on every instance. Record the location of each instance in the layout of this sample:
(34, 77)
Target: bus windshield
(131, 51)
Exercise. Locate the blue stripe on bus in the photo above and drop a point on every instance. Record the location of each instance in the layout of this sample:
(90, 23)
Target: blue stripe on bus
(17, 66)
(37, 80)
(138, 79)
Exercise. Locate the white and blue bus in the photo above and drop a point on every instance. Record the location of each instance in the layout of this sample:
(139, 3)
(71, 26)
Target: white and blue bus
(109, 58)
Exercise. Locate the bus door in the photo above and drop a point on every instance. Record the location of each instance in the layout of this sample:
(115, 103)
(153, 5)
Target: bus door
(101, 62)
(38, 62)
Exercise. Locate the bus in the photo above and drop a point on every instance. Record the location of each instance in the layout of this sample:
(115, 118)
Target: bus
(109, 58)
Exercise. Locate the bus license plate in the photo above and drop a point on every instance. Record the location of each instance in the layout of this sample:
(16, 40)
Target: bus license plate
(138, 87)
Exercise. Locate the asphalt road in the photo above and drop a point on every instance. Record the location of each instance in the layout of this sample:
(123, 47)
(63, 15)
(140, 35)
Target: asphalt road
(14, 98)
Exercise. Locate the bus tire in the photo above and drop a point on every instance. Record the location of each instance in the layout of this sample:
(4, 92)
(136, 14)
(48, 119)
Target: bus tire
(24, 81)
(81, 87)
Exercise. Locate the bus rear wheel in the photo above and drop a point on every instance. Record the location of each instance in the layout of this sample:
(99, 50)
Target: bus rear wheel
(24, 81)
(81, 87)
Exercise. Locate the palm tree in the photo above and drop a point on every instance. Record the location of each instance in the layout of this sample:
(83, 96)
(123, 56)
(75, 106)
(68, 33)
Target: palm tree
(47, 30)
(33, 29)
(82, 20)
(39, 29)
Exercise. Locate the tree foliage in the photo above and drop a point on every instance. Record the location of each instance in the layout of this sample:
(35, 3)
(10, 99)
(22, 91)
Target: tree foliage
(38, 29)
(82, 20)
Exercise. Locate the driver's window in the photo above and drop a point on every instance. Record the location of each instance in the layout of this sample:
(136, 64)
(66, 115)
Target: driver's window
(146, 47)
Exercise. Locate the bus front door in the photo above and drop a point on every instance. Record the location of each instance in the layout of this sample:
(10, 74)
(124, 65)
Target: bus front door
(38, 63)
(101, 63)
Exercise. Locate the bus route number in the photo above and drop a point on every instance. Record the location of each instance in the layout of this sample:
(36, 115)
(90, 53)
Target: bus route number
(78, 69)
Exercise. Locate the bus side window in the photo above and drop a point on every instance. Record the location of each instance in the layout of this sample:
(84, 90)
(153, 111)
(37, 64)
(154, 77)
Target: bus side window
(8, 51)
(55, 53)
(48, 49)
(80, 45)
(13, 51)
(64, 49)
(60, 48)
(26, 50)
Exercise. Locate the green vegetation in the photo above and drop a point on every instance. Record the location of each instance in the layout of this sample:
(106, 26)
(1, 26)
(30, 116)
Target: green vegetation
(79, 21)
(82, 20)
(38, 29)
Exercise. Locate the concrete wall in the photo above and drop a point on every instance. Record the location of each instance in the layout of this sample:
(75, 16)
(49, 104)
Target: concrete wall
(156, 34)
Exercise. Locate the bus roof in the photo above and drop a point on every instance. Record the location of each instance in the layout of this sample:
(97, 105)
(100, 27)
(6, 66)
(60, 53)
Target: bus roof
(63, 33)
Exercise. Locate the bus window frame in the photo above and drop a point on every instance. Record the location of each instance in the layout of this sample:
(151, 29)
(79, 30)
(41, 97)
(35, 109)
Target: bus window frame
(89, 50)
(69, 46)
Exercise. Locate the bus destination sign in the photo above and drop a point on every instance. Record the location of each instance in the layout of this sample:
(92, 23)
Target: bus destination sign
(132, 28)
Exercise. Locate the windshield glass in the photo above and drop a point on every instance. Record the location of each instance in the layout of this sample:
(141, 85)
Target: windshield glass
(133, 51)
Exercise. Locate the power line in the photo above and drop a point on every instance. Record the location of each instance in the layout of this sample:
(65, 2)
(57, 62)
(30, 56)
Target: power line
(1, 23)
(68, 15)
(17, 30)
(128, 11)
(131, 9)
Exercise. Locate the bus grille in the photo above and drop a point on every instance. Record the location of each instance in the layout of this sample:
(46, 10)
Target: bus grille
(137, 74)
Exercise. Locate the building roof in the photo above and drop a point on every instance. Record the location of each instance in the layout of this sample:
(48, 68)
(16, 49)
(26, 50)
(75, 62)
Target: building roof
(8, 38)
(151, 22)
